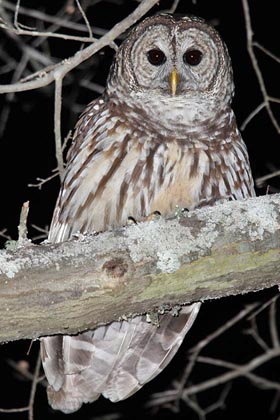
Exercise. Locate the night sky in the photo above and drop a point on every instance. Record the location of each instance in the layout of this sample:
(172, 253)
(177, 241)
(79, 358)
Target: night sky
(27, 152)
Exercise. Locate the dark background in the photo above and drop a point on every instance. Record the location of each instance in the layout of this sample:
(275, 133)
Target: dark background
(27, 152)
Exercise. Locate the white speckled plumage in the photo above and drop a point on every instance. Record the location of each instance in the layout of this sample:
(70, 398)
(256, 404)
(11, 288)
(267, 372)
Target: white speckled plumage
(136, 150)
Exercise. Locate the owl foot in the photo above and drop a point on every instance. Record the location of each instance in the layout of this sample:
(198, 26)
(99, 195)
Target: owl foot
(156, 215)
(131, 221)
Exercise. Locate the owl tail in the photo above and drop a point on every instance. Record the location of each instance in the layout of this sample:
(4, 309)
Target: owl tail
(115, 360)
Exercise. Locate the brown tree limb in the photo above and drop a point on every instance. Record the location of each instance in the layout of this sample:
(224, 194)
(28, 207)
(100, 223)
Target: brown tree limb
(228, 249)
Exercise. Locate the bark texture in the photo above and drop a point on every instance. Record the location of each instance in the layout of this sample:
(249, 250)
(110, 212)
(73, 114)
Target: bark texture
(228, 249)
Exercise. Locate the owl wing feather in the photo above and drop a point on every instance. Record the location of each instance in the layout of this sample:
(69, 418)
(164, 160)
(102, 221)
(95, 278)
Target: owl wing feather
(114, 360)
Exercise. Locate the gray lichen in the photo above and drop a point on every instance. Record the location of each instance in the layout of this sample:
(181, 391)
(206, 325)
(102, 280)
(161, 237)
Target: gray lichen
(162, 241)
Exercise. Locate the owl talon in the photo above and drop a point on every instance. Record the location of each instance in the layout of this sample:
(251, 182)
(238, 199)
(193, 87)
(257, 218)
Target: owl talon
(156, 215)
(131, 221)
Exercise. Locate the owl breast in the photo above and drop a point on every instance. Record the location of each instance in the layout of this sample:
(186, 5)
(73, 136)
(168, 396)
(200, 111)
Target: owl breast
(135, 177)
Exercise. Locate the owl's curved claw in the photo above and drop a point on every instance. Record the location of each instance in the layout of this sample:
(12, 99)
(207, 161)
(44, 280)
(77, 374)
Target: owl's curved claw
(155, 215)
(131, 221)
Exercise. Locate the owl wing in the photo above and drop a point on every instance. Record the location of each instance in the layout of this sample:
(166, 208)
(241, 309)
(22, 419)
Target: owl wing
(114, 360)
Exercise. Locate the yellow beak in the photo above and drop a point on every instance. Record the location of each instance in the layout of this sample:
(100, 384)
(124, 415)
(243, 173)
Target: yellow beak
(174, 79)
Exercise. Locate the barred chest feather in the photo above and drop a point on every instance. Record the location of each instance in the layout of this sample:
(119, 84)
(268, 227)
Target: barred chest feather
(119, 171)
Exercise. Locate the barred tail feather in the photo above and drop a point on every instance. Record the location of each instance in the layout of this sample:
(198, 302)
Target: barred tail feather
(114, 360)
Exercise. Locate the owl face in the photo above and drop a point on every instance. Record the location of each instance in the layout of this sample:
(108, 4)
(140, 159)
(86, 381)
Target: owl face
(168, 57)
(174, 61)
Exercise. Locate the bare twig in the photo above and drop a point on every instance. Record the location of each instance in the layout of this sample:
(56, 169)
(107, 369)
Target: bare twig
(57, 124)
(30, 32)
(254, 332)
(36, 14)
(249, 34)
(34, 377)
(195, 351)
(273, 323)
(10, 96)
(262, 179)
(25, 373)
(225, 327)
(66, 66)
(85, 18)
(22, 228)
(237, 371)
(252, 115)
(42, 181)
(266, 51)
(4, 235)
(14, 410)
(263, 383)
(34, 387)
(16, 14)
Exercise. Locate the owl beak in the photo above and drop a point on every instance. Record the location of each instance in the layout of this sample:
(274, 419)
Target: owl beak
(174, 80)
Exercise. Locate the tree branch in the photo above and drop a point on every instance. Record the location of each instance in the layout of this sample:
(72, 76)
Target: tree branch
(227, 249)
(61, 69)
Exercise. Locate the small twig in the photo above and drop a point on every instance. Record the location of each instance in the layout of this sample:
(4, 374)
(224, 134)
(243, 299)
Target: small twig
(95, 87)
(221, 401)
(66, 66)
(42, 181)
(22, 227)
(195, 351)
(14, 410)
(10, 96)
(195, 407)
(273, 324)
(85, 18)
(254, 332)
(26, 374)
(16, 14)
(261, 308)
(252, 115)
(226, 326)
(259, 181)
(174, 6)
(36, 14)
(44, 232)
(249, 34)
(29, 32)
(35, 380)
(242, 370)
(272, 99)
(263, 383)
(3, 234)
(34, 387)
(266, 51)
(57, 125)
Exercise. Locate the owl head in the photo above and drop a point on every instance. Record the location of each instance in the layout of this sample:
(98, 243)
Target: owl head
(174, 60)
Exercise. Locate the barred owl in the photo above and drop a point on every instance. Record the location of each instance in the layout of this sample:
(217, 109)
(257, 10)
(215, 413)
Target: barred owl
(162, 135)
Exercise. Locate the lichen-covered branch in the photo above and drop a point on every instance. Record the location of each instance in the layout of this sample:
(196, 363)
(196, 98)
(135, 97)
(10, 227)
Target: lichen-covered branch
(230, 248)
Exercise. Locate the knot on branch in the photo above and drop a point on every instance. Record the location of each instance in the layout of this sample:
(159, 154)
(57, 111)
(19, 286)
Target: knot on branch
(116, 267)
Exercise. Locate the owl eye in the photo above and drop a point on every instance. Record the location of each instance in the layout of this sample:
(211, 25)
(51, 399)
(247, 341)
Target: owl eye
(156, 57)
(192, 57)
